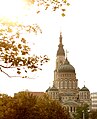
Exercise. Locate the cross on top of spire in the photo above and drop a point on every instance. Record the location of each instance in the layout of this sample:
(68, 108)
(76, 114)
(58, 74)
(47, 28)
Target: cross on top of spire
(67, 52)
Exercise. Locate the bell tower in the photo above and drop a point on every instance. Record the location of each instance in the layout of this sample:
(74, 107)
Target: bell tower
(60, 53)
(60, 56)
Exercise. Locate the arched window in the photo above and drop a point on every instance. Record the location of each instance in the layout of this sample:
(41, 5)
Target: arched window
(58, 84)
(65, 84)
(74, 109)
(61, 84)
(73, 84)
(70, 109)
(70, 84)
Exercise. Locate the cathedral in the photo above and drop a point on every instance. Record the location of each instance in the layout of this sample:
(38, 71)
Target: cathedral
(65, 85)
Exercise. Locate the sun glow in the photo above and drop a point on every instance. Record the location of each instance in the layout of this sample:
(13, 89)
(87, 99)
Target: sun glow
(12, 9)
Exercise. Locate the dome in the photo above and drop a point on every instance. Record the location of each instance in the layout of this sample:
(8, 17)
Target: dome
(66, 67)
(84, 89)
(78, 88)
(53, 88)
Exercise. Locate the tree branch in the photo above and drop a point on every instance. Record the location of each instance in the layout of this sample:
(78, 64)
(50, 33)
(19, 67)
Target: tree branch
(8, 66)
(15, 76)
(5, 73)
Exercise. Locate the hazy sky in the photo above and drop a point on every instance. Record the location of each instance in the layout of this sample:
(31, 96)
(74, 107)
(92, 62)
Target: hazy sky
(79, 28)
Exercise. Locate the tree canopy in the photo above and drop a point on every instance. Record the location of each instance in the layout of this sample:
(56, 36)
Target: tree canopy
(80, 110)
(24, 105)
(93, 114)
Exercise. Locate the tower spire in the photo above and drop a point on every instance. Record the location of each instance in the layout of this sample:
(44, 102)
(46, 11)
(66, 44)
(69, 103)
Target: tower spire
(61, 38)
(60, 51)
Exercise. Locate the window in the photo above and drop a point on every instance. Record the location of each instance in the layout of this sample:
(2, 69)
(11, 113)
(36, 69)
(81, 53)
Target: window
(61, 84)
(74, 109)
(73, 84)
(71, 109)
(70, 84)
(65, 84)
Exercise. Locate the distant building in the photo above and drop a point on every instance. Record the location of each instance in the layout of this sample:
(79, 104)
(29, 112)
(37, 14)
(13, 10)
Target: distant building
(65, 85)
(39, 94)
(94, 100)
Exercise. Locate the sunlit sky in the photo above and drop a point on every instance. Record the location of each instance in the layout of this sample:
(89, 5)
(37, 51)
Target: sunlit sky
(78, 28)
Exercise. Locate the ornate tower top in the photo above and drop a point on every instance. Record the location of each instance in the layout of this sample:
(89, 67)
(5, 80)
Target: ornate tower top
(60, 51)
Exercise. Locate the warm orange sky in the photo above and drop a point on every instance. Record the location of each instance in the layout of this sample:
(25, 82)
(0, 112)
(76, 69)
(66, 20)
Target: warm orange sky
(79, 28)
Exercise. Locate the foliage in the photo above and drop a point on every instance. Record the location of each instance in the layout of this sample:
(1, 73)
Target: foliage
(14, 48)
(15, 51)
(25, 105)
(80, 110)
(52, 4)
(93, 114)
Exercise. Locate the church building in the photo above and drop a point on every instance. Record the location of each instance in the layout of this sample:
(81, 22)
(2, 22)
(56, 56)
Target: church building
(65, 85)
